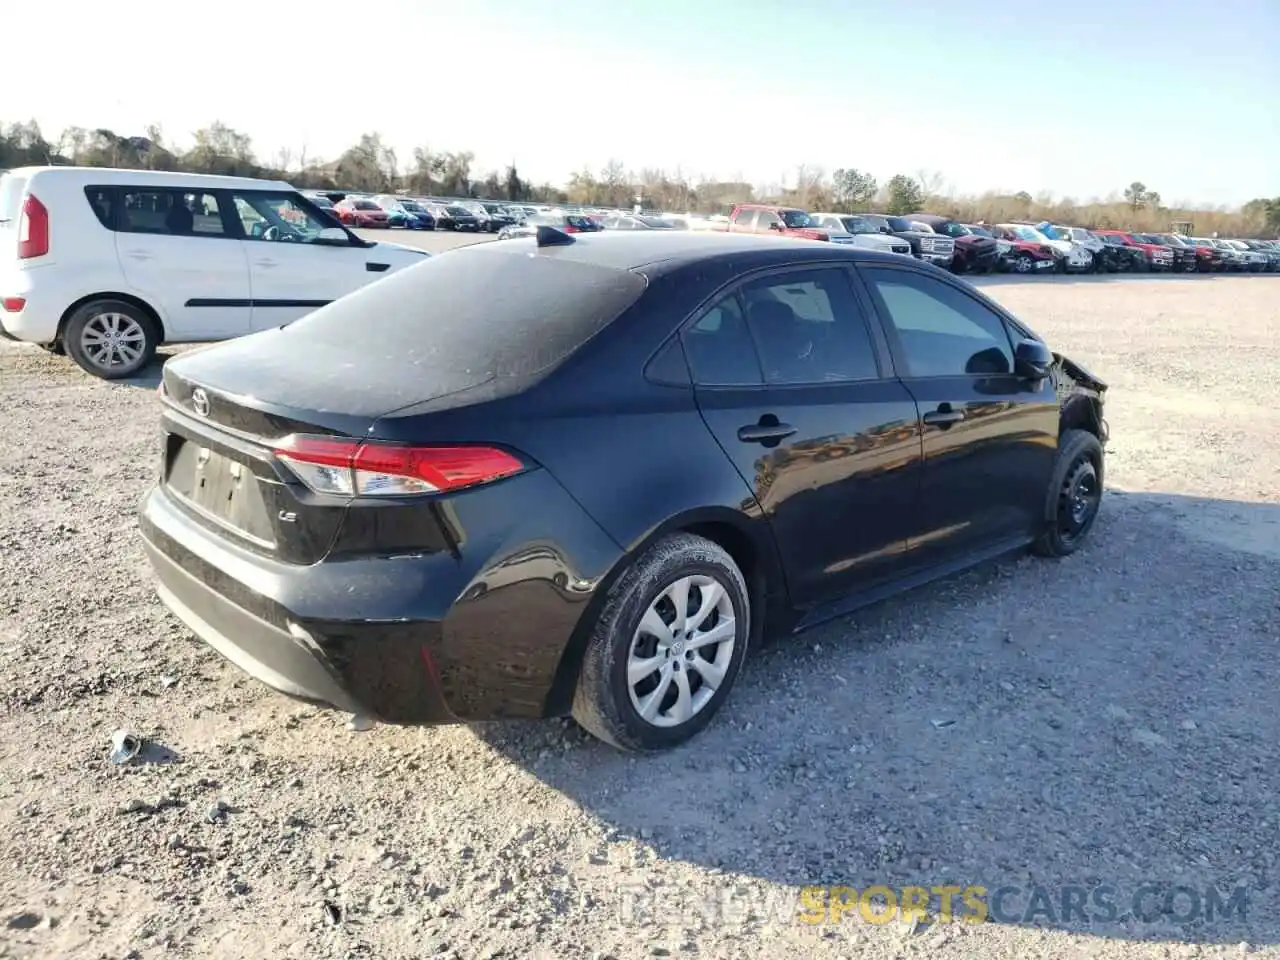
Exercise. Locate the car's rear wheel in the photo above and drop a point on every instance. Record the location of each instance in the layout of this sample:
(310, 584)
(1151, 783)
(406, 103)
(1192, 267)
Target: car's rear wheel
(667, 646)
(1075, 492)
(111, 339)
(1024, 263)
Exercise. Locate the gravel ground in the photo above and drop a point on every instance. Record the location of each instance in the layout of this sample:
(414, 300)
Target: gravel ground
(1108, 719)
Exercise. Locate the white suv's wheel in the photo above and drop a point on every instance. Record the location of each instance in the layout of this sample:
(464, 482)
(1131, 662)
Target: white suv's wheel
(667, 647)
(111, 339)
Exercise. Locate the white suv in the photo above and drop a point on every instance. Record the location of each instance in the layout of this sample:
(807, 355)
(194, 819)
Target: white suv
(108, 264)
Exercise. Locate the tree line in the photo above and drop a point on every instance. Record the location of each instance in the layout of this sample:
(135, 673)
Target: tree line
(371, 165)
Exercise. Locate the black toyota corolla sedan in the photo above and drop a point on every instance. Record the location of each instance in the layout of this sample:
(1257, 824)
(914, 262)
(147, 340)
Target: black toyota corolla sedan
(586, 474)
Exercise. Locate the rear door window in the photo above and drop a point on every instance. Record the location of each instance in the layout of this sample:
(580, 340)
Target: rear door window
(181, 213)
(719, 347)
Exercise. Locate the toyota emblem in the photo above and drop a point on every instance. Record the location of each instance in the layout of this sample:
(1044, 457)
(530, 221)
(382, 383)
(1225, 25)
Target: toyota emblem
(200, 402)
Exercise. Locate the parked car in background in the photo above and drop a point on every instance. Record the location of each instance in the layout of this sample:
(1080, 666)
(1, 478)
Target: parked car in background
(1184, 258)
(1207, 252)
(499, 215)
(361, 212)
(860, 232)
(323, 203)
(770, 218)
(1232, 259)
(460, 218)
(638, 222)
(1130, 258)
(1030, 251)
(1202, 258)
(564, 222)
(1103, 259)
(470, 536)
(1069, 256)
(106, 265)
(1158, 256)
(974, 253)
(1268, 249)
(925, 244)
(407, 213)
(1255, 261)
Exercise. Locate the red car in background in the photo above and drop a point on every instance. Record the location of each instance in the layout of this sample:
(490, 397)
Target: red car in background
(358, 212)
(1159, 256)
(1023, 255)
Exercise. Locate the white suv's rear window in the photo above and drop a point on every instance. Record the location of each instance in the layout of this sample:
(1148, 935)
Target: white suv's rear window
(12, 187)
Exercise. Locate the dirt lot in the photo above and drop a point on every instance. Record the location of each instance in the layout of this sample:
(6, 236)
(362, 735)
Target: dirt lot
(1107, 720)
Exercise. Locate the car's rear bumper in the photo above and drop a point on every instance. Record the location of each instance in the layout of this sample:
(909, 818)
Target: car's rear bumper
(38, 320)
(476, 633)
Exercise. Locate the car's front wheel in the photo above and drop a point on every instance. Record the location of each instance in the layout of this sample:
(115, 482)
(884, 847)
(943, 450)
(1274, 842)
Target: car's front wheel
(1075, 494)
(111, 339)
(667, 646)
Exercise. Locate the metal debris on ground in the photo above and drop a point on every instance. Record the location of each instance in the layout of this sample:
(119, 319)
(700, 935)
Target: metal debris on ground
(125, 747)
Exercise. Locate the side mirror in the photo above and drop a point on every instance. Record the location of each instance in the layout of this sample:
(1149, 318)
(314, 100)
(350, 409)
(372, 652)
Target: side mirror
(1032, 360)
(775, 225)
(335, 236)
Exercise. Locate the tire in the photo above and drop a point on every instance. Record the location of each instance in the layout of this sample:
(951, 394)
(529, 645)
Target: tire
(1023, 264)
(606, 703)
(137, 338)
(1077, 474)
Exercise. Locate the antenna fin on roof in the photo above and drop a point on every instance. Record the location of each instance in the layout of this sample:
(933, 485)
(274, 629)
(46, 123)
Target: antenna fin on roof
(551, 237)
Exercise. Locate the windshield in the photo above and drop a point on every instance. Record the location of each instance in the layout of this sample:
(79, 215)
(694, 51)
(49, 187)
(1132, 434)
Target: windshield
(980, 231)
(1052, 232)
(795, 218)
(899, 225)
(323, 202)
(953, 229)
(458, 211)
(858, 225)
(412, 206)
(1112, 240)
(657, 223)
(1030, 234)
(579, 221)
(365, 205)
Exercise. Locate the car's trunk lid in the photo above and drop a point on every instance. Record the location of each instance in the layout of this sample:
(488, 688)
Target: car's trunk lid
(228, 408)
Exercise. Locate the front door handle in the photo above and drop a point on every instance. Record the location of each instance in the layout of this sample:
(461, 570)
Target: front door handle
(138, 255)
(766, 433)
(265, 263)
(944, 416)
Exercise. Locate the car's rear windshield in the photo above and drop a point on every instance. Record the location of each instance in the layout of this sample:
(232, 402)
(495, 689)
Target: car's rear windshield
(12, 187)
(467, 317)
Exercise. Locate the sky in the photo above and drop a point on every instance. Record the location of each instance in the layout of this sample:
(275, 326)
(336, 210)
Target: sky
(1075, 97)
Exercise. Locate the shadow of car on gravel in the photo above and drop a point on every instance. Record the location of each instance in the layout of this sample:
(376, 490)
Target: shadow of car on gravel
(1058, 730)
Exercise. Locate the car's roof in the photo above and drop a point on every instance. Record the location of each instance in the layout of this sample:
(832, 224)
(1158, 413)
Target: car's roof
(108, 176)
(633, 250)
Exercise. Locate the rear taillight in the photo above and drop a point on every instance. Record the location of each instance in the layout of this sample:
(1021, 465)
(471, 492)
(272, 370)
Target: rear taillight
(33, 229)
(13, 304)
(569, 228)
(368, 468)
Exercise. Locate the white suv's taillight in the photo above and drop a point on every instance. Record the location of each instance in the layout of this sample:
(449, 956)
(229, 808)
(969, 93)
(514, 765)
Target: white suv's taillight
(368, 468)
(33, 229)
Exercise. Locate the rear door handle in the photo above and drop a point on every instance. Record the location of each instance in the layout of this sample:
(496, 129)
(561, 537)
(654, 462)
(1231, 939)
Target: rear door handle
(138, 255)
(265, 263)
(941, 417)
(765, 433)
